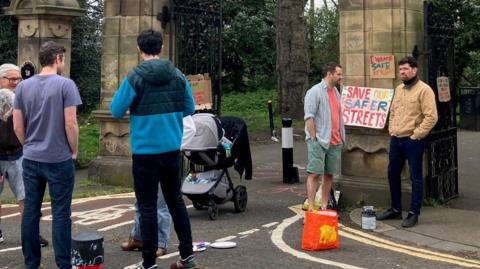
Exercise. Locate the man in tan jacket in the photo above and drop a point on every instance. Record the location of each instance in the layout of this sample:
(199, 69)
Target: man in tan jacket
(413, 114)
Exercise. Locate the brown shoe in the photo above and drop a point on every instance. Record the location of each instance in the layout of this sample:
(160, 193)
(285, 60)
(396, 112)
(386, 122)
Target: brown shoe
(131, 245)
(161, 252)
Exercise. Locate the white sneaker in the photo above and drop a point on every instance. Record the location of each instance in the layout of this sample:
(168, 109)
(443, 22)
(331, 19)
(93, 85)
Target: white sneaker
(1, 237)
(140, 266)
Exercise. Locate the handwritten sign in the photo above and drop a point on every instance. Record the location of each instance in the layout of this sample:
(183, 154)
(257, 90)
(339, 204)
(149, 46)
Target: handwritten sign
(382, 66)
(443, 86)
(366, 107)
(201, 86)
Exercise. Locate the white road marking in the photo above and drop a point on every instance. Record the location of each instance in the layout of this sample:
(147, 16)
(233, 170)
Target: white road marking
(243, 236)
(268, 225)
(278, 241)
(107, 228)
(18, 213)
(77, 201)
(114, 226)
(10, 249)
(226, 238)
(98, 215)
(111, 227)
(249, 232)
(369, 239)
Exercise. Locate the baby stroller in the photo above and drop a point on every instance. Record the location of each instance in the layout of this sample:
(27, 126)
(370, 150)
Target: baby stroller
(208, 182)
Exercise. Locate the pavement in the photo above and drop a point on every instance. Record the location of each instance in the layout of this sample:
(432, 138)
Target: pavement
(267, 234)
(451, 227)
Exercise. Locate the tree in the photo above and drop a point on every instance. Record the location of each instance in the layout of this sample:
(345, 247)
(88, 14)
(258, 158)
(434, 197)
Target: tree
(324, 42)
(85, 67)
(464, 16)
(8, 36)
(292, 57)
(249, 45)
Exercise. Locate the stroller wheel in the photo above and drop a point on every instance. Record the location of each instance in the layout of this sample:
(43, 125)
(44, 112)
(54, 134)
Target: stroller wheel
(213, 212)
(197, 205)
(240, 198)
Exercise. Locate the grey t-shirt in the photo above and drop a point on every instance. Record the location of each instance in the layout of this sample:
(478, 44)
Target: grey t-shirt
(42, 100)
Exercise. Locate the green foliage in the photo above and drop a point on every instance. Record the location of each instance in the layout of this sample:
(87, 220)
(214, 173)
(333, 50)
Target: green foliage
(249, 53)
(253, 108)
(250, 106)
(464, 15)
(324, 44)
(431, 202)
(8, 36)
(471, 73)
(88, 141)
(87, 53)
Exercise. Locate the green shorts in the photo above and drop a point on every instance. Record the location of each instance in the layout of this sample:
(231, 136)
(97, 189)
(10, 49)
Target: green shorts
(322, 161)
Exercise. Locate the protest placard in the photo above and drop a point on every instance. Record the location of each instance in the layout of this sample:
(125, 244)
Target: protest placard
(366, 107)
(443, 87)
(382, 66)
(201, 86)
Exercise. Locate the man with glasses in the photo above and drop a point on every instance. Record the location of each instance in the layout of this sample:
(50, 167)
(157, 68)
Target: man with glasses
(10, 149)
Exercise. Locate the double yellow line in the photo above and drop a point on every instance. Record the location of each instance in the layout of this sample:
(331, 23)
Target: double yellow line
(372, 240)
(376, 241)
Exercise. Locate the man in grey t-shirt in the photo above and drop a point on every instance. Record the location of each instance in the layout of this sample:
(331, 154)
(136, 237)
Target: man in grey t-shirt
(45, 122)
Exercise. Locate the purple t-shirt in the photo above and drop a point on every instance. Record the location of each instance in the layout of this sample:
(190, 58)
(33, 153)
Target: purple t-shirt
(42, 100)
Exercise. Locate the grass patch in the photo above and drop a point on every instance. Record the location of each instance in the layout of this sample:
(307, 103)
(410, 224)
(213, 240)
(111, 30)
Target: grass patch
(431, 202)
(253, 108)
(250, 106)
(88, 141)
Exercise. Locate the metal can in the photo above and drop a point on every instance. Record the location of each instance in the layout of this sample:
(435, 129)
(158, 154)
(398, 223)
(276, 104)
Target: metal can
(369, 218)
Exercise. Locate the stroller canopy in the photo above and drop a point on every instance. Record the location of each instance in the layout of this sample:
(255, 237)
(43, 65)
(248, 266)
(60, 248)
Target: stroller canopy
(208, 133)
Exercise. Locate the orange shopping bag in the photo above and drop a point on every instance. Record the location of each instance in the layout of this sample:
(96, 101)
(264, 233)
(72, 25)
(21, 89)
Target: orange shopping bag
(320, 230)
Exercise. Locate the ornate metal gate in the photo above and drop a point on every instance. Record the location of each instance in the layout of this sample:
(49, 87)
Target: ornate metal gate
(198, 41)
(442, 177)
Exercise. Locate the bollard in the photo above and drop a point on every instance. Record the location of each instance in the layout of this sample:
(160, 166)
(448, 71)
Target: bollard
(273, 133)
(287, 151)
(87, 251)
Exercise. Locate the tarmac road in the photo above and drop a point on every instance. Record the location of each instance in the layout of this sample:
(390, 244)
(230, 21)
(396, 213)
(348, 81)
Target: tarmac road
(268, 235)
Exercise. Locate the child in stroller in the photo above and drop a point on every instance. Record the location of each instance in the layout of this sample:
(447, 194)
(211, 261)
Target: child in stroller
(210, 154)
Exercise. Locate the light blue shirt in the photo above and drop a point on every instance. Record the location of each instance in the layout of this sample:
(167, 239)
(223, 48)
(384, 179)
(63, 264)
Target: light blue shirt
(317, 107)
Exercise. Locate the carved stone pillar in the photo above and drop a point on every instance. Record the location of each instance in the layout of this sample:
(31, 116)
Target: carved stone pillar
(124, 20)
(369, 27)
(41, 21)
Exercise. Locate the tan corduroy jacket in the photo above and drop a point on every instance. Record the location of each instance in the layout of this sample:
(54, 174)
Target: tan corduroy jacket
(413, 111)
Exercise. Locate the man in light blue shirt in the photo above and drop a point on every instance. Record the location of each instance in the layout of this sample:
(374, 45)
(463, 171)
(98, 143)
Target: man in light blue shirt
(325, 133)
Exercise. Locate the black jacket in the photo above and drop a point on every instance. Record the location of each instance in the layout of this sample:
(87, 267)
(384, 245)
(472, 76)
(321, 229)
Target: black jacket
(236, 131)
(9, 144)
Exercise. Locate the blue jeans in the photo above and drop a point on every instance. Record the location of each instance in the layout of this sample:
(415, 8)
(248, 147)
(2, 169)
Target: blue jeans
(405, 149)
(60, 178)
(148, 171)
(163, 218)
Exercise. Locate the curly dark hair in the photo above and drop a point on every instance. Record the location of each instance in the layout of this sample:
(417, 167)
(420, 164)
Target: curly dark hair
(150, 42)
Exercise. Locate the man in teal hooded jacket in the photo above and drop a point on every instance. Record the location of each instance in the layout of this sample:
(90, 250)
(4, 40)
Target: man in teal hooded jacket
(158, 96)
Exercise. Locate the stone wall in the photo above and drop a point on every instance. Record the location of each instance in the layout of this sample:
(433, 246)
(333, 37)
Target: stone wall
(124, 20)
(374, 27)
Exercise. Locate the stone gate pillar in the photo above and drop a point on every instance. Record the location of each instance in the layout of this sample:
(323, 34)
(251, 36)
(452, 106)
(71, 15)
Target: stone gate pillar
(40, 21)
(124, 20)
(369, 27)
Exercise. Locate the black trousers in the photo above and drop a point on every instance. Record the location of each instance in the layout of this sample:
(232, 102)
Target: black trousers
(148, 171)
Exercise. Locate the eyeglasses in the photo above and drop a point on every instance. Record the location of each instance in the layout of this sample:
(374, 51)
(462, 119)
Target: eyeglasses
(13, 80)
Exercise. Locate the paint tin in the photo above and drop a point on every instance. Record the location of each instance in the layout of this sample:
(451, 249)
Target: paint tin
(369, 218)
(87, 251)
